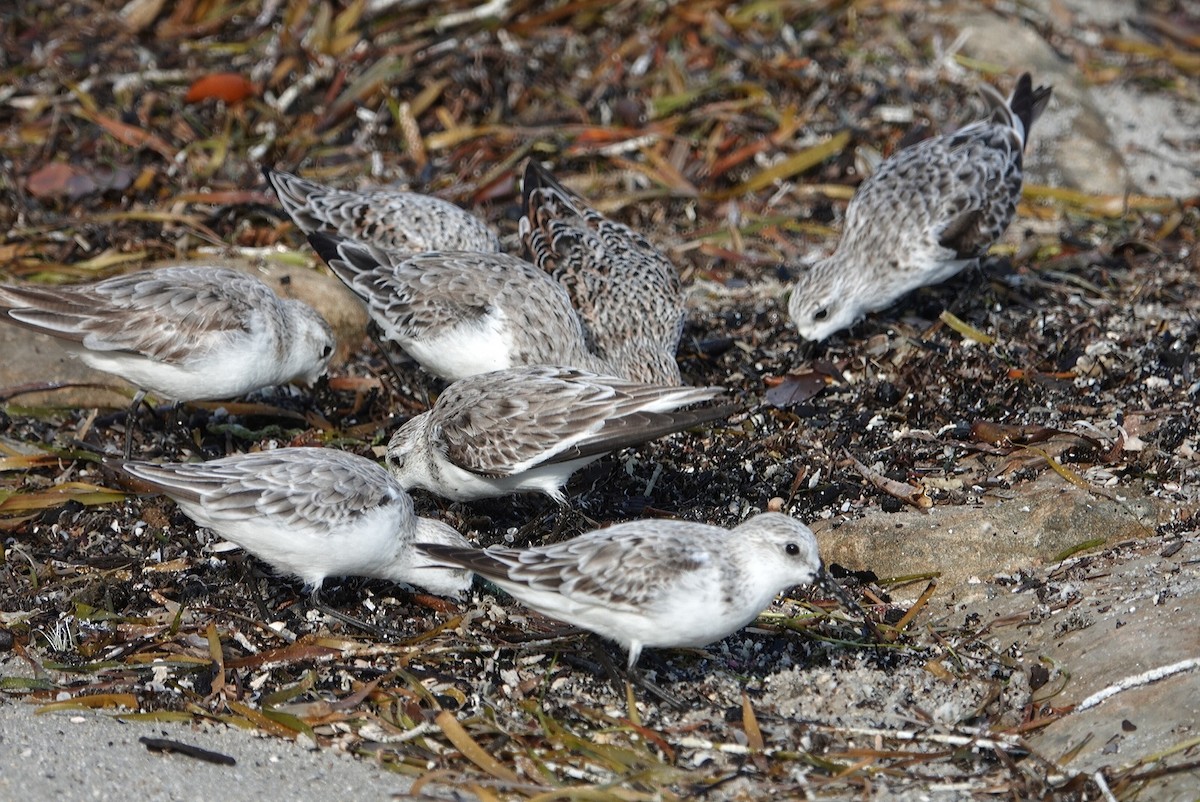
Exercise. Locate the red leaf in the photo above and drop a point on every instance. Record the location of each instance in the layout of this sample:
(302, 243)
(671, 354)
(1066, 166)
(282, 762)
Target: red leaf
(227, 86)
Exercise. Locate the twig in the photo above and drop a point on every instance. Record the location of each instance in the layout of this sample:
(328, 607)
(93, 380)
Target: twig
(1137, 681)
(492, 8)
(987, 741)
(916, 496)
(168, 745)
(1098, 778)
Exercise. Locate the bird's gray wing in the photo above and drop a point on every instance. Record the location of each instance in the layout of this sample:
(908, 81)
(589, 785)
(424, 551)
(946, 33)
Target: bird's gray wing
(304, 487)
(168, 314)
(404, 222)
(625, 566)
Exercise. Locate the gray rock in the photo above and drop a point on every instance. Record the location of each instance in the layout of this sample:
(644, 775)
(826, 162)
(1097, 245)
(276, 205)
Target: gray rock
(1072, 145)
(85, 755)
(1095, 623)
(971, 542)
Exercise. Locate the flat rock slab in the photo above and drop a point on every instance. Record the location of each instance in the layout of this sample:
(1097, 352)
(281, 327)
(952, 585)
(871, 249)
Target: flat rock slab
(972, 542)
(1071, 143)
(84, 755)
(37, 361)
(1094, 624)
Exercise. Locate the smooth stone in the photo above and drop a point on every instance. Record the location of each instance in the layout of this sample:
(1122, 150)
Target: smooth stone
(968, 543)
(1071, 144)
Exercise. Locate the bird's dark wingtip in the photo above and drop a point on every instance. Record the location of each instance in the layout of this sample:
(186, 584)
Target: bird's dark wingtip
(326, 245)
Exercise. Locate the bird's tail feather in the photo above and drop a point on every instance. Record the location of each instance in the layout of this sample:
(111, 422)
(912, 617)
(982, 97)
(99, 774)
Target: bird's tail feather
(1027, 103)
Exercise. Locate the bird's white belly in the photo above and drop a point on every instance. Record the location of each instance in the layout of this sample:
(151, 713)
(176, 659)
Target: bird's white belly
(464, 350)
(235, 370)
(361, 548)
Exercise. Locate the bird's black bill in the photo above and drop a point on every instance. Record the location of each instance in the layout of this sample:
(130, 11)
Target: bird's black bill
(827, 582)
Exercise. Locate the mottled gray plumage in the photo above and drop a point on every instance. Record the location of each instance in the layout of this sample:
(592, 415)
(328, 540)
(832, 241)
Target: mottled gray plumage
(185, 332)
(310, 513)
(461, 313)
(528, 429)
(653, 582)
(402, 222)
(925, 214)
(626, 292)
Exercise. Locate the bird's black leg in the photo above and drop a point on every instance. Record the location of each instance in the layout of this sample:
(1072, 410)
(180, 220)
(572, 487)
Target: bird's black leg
(377, 337)
(622, 680)
(130, 417)
(349, 620)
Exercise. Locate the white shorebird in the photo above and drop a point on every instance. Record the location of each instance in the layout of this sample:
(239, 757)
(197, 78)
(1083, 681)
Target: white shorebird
(625, 290)
(462, 313)
(925, 214)
(187, 333)
(311, 513)
(654, 583)
(528, 429)
(401, 222)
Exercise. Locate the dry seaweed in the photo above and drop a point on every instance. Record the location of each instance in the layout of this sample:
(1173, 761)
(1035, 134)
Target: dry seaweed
(731, 135)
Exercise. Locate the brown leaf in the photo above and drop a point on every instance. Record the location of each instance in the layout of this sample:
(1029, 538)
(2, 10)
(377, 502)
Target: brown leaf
(57, 180)
(130, 135)
(796, 388)
(984, 431)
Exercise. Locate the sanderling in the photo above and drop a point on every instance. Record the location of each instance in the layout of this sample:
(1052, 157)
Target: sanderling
(461, 313)
(925, 214)
(626, 292)
(311, 513)
(401, 222)
(187, 332)
(528, 429)
(653, 582)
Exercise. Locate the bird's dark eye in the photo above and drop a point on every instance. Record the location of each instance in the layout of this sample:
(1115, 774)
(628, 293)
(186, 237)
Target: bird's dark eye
(792, 549)
(326, 351)
(821, 314)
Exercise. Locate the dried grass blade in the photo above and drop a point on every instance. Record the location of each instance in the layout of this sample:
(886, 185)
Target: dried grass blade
(92, 701)
(217, 655)
(291, 722)
(966, 329)
(130, 135)
(387, 71)
(22, 462)
(484, 794)
(471, 749)
(665, 173)
(259, 720)
(1060, 469)
(1100, 205)
(427, 96)
(921, 601)
(1071, 551)
(754, 738)
(85, 494)
(459, 134)
(162, 716)
(298, 652)
(793, 165)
